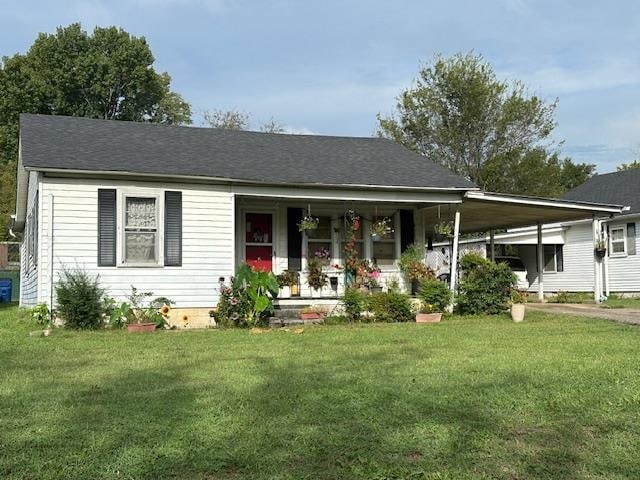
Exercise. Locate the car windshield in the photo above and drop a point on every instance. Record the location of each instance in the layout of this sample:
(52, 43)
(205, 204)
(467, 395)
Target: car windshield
(515, 264)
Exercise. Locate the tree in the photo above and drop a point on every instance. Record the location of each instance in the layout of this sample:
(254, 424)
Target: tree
(226, 119)
(459, 114)
(107, 74)
(628, 166)
(237, 120)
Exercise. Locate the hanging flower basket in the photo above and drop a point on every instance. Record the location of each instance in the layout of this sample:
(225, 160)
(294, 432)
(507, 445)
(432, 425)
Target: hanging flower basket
(308, 223)
(381, 228)
(443, 229)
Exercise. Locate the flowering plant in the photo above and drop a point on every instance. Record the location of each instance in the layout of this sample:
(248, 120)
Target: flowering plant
(381, 228)
(367, 274)
(316, 278)
(308, 223)
(323, 255)
(353, 225)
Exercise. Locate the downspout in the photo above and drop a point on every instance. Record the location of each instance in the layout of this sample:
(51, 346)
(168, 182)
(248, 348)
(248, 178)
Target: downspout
(540, 253)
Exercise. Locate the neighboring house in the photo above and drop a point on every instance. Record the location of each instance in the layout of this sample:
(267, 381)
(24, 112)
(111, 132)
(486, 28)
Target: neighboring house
(175, 210)
(568, 246)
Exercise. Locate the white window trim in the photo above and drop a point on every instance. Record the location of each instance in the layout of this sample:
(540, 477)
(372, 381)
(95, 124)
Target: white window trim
(623, 228)
(121, 206)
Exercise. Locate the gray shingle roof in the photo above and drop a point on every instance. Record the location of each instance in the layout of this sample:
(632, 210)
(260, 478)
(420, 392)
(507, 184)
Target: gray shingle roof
(56, 142)
(621, 188)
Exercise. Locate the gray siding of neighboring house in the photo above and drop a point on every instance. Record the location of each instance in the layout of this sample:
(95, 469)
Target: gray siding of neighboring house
(577, 253)
(28, 265)
(624, 271)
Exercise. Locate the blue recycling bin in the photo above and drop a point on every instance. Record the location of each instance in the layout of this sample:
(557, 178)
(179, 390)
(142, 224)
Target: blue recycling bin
(5, 290)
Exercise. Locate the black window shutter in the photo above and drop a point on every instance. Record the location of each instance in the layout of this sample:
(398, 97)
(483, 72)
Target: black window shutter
(294, 239)
(106, 227)
(173, 229)
(631, 238)
(559, 259)
(407, 229)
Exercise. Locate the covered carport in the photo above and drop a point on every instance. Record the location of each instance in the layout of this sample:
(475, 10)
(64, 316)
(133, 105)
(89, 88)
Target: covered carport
(487, 212)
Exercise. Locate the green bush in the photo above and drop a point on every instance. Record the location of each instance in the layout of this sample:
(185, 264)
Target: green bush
(436, 294)
(473, 260)
(390, 307)
(355, 302)
(80, 299)
(486, 288)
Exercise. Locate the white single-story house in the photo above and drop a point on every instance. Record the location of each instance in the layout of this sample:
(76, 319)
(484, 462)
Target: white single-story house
(568, 248)
(175, 210)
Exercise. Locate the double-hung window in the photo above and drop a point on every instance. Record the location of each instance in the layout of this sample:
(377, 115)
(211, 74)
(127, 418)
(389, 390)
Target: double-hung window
(140, 230)
(617, 241)
(319, 240)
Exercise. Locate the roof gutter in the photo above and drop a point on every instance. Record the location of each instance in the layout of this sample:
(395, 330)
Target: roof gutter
(22, 188)
(544, 202)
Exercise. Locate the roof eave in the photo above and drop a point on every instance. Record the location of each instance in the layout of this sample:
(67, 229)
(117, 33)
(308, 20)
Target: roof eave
(64, 171)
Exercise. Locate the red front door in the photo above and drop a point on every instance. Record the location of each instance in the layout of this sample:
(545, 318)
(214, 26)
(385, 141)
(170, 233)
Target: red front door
(258, 241)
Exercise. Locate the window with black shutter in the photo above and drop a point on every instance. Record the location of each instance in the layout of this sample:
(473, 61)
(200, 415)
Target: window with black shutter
(173, 229)
(107, 227)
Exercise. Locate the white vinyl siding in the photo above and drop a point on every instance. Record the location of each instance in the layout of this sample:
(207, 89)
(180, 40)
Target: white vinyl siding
(578, 258)
(207, 229)
(624, 272)
(30, 249)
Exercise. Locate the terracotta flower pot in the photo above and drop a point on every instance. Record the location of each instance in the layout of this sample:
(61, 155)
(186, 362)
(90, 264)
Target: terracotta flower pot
(141, 327)
(517, 312)
(428, 317)
(310, 316)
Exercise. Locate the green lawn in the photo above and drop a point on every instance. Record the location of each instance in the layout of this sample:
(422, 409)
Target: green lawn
(554, 397)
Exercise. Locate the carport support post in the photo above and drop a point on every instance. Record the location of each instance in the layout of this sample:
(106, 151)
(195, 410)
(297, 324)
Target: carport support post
(596, 261)
(540, 253)
(492, 245)
(454, 251)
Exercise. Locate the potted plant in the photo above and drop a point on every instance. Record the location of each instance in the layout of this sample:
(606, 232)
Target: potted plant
(290, 279)
(381, 228)
(316, 278)
(435, 297)
(309, 222)
(518, 299)
(315, 312)
(601, 247)
(412, 266)
(140, 317)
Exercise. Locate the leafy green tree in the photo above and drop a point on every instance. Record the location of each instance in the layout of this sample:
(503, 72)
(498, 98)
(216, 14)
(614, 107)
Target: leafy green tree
(462, 116)
(628, 166)
(107, 74)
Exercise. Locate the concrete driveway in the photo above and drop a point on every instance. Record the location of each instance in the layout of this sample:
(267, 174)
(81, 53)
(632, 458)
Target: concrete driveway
(629, 316)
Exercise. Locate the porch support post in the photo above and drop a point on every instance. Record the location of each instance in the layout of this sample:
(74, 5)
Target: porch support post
(597, 291)
(454, 251)
(492, 245)
(540, 253)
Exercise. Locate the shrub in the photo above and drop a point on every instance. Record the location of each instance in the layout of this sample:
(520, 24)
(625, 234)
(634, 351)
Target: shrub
(79, 298)
(248, 302)
(472, 260)
(355, 303)
(436, 294)
(486, 288)
(390, 307)
(41, 314)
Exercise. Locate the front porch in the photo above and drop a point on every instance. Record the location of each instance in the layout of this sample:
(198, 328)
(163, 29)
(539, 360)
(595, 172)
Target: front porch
(268, 238)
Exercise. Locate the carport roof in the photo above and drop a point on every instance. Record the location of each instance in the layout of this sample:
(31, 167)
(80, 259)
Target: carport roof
(482, 211)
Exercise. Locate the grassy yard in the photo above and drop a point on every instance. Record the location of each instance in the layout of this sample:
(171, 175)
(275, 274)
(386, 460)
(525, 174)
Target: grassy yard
(470, 398)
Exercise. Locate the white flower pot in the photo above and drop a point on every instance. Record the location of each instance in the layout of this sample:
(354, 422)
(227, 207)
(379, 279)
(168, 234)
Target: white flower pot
(517, 312)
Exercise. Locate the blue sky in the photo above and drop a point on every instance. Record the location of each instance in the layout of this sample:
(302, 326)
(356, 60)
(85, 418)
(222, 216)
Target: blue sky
(328, 67)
